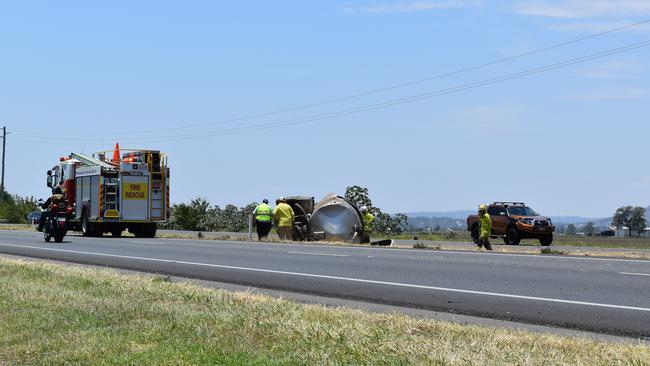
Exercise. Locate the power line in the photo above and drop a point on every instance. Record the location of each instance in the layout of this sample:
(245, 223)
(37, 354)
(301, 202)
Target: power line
(367, 93)
(409, 99)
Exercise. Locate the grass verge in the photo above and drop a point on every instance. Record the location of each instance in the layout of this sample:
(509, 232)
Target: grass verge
(551, 251)
(52, 314)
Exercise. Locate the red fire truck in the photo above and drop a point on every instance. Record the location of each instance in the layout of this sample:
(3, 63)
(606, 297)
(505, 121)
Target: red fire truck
(126, 192)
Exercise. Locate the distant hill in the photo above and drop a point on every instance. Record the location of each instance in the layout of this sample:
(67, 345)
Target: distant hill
(458, 215)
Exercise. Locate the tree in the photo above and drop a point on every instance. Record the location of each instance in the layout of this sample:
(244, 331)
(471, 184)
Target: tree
(638, 221)
(190, 216)
(570, 229)
(384, 223)
(359, 196)
(230, 219)
(15, 208)
(589, 228)
(622, 217)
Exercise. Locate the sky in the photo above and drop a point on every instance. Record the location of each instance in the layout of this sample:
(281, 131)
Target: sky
(254, 99)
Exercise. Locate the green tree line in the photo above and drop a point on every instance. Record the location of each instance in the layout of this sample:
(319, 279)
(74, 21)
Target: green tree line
(631, 217)
(14, 208)
(199, 215)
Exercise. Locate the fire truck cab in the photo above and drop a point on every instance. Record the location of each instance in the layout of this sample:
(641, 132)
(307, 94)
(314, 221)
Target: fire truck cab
(128, 192)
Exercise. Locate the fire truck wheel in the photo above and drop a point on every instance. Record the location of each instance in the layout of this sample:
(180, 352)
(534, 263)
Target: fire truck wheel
(144, 231)
(87, 228)
(85, 225)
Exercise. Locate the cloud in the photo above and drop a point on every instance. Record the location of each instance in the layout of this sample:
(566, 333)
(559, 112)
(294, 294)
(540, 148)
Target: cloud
(583, 8)
(613, 94)
(407, 7)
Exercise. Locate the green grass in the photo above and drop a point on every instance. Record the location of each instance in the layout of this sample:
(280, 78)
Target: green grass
(547, 250)
(55, 315)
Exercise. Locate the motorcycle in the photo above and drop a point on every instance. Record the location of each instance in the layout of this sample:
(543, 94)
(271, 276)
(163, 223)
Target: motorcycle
(56, 223)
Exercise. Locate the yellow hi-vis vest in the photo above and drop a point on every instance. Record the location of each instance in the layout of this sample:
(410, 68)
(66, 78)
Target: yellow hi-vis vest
(368, 219)
(485, 223)
(283, 215)
(263, 213)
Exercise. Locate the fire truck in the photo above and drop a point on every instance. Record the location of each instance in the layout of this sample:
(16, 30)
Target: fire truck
(129, 191)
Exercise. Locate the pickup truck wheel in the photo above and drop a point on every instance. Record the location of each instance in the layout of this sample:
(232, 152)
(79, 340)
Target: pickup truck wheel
(546, 240)
(475, 234)
(512, 237)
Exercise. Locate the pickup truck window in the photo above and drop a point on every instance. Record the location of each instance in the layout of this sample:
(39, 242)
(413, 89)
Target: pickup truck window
(496, 211)
(522, 211)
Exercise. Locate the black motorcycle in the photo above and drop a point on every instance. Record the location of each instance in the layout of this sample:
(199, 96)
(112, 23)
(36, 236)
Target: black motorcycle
(56, 222)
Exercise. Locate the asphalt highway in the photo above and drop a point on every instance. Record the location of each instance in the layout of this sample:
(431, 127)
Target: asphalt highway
(594, 294)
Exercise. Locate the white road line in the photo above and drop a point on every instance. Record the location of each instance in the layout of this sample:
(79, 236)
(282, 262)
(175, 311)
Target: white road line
(323, 254)
(439, 252)
(147, 242)
(634, 274)
(348, 279)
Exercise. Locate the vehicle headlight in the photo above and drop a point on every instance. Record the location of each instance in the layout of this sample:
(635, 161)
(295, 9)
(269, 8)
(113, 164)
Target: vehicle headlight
(527, 221)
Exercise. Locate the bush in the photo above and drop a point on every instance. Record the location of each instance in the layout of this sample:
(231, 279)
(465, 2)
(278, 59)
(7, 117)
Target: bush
(14, 208)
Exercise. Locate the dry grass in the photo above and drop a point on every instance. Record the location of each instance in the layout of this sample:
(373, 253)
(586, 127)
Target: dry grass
(61, 315)
(17, 227)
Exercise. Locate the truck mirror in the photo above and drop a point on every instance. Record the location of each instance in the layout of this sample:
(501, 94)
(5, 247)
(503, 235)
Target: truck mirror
(49, 180)
(49, 173)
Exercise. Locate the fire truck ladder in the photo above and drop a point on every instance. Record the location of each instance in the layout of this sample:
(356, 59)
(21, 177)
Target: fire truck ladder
(89, 160)
(111, 194)
(158, 191)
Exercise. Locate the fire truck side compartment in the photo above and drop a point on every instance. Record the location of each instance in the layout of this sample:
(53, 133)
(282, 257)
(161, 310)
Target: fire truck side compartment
(87, 187)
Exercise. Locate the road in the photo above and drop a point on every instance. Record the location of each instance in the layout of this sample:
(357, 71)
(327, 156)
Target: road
(594, 294)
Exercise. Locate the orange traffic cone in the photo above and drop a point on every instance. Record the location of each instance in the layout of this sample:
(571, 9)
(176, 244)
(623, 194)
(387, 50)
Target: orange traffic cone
(116, 153)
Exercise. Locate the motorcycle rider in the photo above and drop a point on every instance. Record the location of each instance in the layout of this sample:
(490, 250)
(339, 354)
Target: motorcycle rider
(56, 198)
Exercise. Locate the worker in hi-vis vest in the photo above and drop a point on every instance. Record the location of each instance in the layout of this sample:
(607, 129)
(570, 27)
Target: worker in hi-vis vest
(485, 228)
(368, 219)
(283, 217)
(262, 214)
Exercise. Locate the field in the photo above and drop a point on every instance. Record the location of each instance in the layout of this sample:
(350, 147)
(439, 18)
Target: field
(52, 314)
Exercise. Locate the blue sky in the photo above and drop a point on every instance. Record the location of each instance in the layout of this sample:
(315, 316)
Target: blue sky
(80, 76)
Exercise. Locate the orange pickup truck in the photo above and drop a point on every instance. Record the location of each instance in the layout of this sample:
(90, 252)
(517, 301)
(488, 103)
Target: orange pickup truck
(514, 221)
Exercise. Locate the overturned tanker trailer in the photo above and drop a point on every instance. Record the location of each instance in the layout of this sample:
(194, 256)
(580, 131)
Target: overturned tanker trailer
(336, 219)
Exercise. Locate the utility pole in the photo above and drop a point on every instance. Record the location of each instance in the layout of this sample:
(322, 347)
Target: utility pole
(4, 144)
